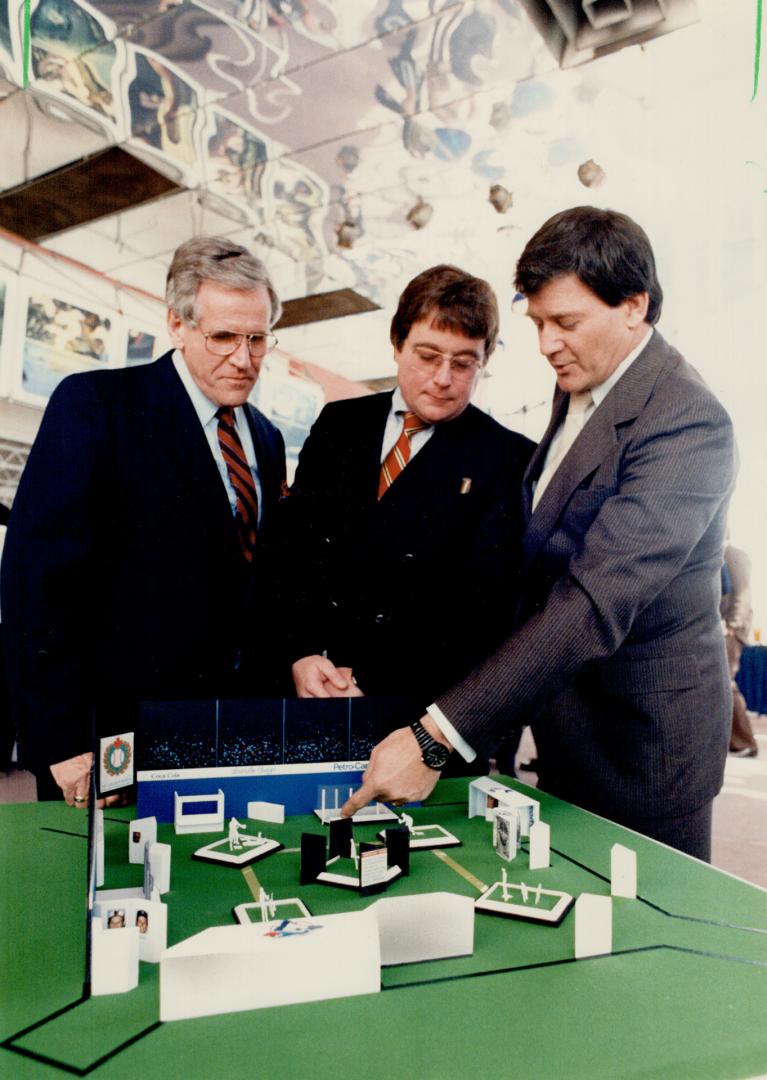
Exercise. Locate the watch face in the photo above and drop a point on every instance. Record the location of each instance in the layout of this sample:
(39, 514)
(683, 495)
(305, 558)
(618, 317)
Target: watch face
(435, 756)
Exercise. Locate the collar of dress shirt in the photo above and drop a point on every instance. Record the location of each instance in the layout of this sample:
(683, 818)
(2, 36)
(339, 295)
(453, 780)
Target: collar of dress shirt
(599, 393)
(398, 402)
(203, 406)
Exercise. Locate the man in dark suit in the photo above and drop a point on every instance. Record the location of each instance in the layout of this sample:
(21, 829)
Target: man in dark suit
(406, 512)
(139, 536)
(618, 659)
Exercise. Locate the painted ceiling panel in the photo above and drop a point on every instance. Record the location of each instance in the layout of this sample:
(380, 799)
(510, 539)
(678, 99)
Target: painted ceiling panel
(350, 142)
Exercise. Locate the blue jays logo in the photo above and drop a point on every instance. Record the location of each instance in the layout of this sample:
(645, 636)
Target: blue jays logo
(289, 928)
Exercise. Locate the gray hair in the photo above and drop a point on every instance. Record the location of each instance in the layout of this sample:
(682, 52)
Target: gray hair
(214, 258)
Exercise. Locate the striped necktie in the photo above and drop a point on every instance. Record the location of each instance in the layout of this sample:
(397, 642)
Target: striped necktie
(241, 479)
(399, 455)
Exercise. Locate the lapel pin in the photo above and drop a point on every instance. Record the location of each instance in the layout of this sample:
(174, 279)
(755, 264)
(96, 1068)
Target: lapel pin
(466, 485)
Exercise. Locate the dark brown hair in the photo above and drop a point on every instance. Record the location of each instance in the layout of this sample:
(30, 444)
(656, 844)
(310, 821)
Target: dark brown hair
(455, 299)
(607, 250)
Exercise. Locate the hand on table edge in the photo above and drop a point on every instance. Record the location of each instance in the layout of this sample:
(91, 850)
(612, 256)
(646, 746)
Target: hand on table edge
(396, 772)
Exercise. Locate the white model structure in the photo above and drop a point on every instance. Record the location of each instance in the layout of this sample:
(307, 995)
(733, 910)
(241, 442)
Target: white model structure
(593, 925)
(157, 869)
(426, 836)
(237, 848)
(267, 811)
(623, 871)
(519, 900)
(375, 870)
(98, 847)
(186, 821)
(486, 794)
(114, 958)
(430, 926)
(141, 831)
(371, 814)
(288, 909)
(506, 833)
(232, 968)
(148, 915)
(540, 846)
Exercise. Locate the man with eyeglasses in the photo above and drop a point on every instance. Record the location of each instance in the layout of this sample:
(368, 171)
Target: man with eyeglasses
(139, 542)
(406, 512)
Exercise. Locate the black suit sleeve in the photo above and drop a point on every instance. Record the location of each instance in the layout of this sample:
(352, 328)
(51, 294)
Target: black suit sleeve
(304, 582)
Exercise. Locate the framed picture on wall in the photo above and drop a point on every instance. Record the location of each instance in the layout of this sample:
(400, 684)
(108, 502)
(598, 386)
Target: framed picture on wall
(60, 338)
(140, 347)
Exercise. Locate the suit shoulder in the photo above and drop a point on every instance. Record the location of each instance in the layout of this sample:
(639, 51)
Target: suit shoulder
(269, 429)
(356, 408)
(509, 442)
(679, 380)
(110, 382)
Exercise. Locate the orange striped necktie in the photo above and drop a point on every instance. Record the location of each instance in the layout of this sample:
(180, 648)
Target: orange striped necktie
(399, 455)
(241, 479)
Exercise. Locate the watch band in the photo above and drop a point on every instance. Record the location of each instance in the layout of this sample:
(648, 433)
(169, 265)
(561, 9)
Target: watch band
(433, 753)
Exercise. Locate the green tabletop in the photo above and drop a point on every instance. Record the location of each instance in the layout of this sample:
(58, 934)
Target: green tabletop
(683, 994)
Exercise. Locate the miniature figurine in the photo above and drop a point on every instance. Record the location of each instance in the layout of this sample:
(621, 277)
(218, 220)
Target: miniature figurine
(235, 842)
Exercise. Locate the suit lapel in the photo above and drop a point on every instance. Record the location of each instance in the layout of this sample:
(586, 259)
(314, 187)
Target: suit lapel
(365, 435)
(597, 439)
(195, 476)
(435, 464)
(270, 474)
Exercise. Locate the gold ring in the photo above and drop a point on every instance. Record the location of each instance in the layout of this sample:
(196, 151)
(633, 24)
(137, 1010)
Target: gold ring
(79, 798)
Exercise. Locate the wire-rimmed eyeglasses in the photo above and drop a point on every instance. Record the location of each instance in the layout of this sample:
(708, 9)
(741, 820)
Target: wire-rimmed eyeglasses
(225, 342)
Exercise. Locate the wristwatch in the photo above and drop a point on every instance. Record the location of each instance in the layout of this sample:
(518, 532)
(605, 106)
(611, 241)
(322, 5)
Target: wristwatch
(433, 753)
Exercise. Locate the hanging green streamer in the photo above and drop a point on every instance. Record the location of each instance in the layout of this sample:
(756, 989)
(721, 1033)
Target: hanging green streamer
(758, 47)
(27, 44)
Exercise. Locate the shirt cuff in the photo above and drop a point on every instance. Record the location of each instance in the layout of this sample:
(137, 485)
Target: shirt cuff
(459, 744)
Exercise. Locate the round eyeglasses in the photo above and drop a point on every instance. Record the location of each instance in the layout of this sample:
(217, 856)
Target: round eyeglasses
(225, 342)
(462, 365)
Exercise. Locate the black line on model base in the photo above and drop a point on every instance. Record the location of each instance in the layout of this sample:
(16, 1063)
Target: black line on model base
(45, 1020)
(520, 967)
(700, 919)
(43, 1060)
(572, 960)
(663, 911)
(64, 832)
(74, 1070)
(124, 1046)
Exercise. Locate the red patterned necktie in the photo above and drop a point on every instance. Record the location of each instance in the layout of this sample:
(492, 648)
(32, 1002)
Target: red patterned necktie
(399, 455)
(241, 479)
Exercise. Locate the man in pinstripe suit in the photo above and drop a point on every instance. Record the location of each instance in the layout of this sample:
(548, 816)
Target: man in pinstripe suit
(618, 659)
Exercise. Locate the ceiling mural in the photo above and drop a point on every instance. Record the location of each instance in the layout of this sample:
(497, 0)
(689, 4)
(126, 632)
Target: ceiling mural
(326, 132)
